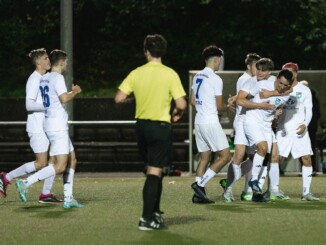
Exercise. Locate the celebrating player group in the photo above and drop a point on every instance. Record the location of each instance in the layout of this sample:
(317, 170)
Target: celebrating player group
(271, 121)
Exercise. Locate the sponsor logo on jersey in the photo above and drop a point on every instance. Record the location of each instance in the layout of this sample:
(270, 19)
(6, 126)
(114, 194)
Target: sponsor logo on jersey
(290, 102)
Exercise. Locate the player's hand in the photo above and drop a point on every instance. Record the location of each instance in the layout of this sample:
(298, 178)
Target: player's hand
(76, 89)
(301, 129)
(267, 106)
(278, 111)
(231, 102)
(288, 91)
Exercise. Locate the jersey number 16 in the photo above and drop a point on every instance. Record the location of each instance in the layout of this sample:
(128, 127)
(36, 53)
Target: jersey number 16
(45, 96)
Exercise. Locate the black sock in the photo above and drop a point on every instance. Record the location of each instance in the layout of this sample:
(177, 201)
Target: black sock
(150, 195)
(159, 194)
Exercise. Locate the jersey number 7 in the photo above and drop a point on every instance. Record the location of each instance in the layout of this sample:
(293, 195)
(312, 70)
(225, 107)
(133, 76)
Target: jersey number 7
(199, 82)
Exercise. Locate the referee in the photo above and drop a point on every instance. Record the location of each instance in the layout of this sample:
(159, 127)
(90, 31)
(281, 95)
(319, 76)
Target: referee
(154, 85)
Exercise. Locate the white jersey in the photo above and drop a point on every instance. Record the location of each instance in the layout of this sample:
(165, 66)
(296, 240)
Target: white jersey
(265, 116)
(240, 83)
(297, 111)
(206, 86)
(52, 85)
(34, 119)
(257, 122)
(240, 137)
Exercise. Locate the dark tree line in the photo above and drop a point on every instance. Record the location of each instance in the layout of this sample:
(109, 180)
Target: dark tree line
(108, 35)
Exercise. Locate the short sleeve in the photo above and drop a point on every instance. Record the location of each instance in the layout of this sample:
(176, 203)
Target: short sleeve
(177, 90)
(60, 85)
(126, 85)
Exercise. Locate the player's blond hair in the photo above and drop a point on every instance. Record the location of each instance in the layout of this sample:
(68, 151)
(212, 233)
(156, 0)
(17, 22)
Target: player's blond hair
(36, 54)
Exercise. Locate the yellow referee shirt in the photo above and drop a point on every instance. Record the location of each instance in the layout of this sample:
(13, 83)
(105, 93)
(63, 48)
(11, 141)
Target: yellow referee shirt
(154, 85)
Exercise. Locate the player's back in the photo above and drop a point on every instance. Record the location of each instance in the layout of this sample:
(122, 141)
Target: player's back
(206, 86)
(52, 85)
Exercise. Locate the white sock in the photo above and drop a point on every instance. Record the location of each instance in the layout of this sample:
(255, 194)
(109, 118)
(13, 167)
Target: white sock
(256, 166)
(306, 179)
(48, 183)
(40, 175)
(262, 177)
(237, 172)
(247, 188)
(68, 181)
(26, 168)
(197, 179)
(207, 177)
(274, 177)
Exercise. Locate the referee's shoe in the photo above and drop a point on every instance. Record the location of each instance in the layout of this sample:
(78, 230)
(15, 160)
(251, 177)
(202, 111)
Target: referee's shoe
(3, 185)
(198, 200)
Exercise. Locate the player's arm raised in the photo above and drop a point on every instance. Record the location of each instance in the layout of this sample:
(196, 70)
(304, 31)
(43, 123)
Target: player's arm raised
(264, 93)
(66, 97)
(243, 100)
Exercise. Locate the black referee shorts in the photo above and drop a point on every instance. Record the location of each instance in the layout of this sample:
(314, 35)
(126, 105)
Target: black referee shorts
(155, 142)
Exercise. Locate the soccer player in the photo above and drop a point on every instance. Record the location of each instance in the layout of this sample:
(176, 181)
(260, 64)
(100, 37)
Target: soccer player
(153, 85)
(206, 96)
(34, 127)
(313, 126)
(55, 96)
(236, 167)
(292, 134)
(257, 123)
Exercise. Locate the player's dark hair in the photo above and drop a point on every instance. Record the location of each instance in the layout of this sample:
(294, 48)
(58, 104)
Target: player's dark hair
(56, 55)
(35, 54)
(265, 64)
(251, 57)
(288, 75)
(211, 51)
(156, 45)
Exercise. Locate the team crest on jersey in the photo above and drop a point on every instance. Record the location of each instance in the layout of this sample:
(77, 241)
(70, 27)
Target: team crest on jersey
(298, 95)
(277, 102)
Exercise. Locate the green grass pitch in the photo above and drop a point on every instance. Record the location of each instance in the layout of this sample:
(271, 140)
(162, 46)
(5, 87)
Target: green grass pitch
(113, 206)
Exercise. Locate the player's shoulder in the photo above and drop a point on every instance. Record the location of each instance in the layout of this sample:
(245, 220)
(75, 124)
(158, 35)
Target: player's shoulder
(213, 75)
(35, 76)
(45, 76)
(244, 77)
(267, 84)
(252, 81)
(207, 73)
(54, 76)
(302, 88)
(271, 78)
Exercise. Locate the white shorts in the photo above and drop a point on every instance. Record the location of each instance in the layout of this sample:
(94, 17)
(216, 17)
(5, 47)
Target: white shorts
(298, 146)
(60, 143)
(240, 136)
(257, 132)
(210, 137)
(39, 142)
